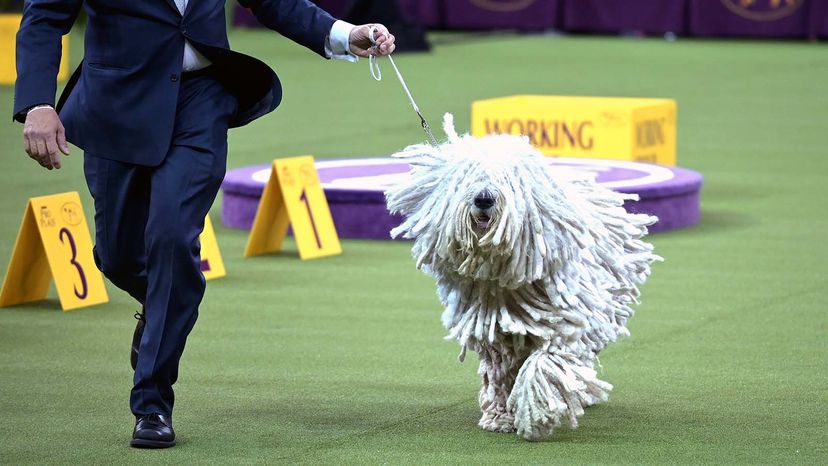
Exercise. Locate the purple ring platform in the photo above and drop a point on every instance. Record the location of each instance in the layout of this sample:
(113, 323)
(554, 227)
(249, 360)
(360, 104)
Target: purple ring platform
(355, 190)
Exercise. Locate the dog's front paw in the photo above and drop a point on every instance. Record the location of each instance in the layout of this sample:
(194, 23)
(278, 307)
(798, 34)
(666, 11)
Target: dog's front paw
(498, 422)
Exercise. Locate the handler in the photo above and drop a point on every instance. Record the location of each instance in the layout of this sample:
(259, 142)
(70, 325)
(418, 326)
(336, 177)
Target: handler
(150, 105)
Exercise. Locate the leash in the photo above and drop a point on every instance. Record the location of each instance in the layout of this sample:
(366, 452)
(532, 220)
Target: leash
(373, 65)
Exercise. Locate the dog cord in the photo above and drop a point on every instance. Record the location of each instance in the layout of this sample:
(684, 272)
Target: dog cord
(373, 65)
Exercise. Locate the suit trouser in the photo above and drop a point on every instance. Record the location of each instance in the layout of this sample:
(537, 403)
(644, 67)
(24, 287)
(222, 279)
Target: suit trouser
(147, 223)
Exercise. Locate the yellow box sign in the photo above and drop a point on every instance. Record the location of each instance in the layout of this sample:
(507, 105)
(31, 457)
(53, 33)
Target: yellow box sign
(212, 265)
(53, 241)
(293, 196)
(642, 130)
(9, 24)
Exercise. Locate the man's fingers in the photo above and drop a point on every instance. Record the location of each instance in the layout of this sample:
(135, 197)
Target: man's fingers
(364, 53)
(34, 150)
(41, 148)
(387, 47)
(43, 154)
(381, 31)
(43, 161)
(61, 140)
(51, 146)
(26, 145)
(29, 141)
(383, 40)
(54, 155)
(54, 159)
(376, 31)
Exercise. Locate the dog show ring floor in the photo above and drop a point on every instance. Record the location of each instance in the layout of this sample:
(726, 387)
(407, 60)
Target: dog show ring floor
(355, 190)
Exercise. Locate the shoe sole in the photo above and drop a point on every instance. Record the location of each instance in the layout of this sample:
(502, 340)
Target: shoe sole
(144, 443)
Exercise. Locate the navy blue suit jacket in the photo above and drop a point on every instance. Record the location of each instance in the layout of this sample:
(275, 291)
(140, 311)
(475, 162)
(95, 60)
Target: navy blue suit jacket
(121, 101)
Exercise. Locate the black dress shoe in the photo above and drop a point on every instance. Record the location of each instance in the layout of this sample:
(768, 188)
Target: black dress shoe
(153, 431)
(136, 338)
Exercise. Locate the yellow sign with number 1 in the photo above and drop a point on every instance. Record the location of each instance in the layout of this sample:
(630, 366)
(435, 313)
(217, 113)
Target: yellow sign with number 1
(293, 196)
(54, 242)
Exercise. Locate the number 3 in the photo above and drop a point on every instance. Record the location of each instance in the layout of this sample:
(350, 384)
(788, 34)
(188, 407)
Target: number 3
(84, 291)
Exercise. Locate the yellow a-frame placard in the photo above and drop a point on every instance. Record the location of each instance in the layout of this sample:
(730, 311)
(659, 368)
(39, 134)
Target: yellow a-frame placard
(53, 242)
(293, 196)
(212, 266)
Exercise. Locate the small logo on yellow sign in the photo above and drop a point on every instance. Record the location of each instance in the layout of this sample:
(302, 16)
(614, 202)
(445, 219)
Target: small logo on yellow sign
(71, 213)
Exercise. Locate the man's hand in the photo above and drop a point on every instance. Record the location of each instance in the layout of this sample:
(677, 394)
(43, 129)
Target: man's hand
(44, 137)
(360, 40)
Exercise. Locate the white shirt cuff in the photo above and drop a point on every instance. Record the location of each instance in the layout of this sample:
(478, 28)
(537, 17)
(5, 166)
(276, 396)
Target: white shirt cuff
(38, 107)
(337, 44)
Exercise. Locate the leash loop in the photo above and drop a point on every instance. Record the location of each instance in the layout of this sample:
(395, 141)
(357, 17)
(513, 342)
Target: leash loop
(373, 65)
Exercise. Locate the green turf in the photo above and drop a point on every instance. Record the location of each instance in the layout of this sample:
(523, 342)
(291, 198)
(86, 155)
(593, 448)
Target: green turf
(340, 360)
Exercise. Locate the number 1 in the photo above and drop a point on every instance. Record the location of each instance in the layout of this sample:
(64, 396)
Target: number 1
(304, 199)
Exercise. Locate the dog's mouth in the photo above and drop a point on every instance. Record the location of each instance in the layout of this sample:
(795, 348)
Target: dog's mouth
(482, 221)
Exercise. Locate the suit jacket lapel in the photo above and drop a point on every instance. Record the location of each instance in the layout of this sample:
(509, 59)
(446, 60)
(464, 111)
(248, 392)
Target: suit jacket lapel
(174, 6)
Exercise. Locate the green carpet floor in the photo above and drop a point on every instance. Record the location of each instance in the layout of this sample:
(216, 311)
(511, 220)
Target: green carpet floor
(341, 361)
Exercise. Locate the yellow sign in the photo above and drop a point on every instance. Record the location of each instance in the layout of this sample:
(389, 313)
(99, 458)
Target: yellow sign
(293, 196)
(642, 130)
(212, 266)
(54, 242)
(9, 24)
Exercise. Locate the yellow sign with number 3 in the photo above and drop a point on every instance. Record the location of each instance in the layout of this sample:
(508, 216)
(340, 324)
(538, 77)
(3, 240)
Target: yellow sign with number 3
(293, 196)
(54, 242)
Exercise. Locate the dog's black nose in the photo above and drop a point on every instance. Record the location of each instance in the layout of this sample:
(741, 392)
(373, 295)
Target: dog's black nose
(483, 201)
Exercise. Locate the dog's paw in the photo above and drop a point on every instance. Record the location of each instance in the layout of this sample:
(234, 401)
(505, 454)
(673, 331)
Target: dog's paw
(503, 423)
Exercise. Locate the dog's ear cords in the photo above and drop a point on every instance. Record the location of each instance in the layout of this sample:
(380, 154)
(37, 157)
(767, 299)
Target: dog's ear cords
(373, 64)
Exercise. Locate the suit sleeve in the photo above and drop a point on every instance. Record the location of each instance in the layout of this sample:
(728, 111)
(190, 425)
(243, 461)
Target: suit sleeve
(299, 20)
(39, 50)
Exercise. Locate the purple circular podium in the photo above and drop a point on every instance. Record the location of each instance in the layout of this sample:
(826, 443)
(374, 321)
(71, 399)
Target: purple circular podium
(355, 190)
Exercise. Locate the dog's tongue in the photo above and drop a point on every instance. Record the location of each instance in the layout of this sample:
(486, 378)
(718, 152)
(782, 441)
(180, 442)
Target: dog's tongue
(483, 223)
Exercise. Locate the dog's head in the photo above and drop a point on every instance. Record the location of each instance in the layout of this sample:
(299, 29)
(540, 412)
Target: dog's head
(485, 208)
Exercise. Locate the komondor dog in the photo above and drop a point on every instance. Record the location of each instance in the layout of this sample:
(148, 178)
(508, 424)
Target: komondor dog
(537, 271)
